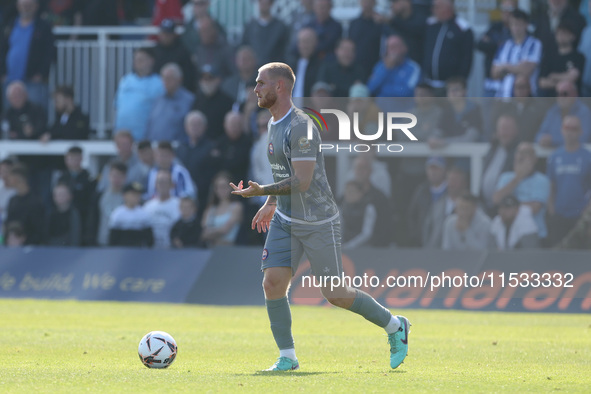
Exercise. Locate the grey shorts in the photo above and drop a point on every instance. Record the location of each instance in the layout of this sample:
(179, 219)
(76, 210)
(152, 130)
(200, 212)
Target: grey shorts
(288, 241)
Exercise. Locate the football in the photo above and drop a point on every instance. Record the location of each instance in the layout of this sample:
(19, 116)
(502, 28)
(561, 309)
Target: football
(157, 349)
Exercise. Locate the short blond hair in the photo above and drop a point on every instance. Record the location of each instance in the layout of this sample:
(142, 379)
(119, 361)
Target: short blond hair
(280, 70)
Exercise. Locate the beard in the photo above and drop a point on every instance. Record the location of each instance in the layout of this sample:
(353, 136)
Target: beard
(268, 100)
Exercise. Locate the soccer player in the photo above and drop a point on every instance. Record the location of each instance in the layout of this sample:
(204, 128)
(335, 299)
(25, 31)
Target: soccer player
(301, 215)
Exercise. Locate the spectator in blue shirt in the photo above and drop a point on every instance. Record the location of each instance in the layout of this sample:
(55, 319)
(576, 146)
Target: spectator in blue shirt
(569, 170)
(531, 188)
(395, 75)
(136, 94)
(27, 51)
(567, 103)
(166, 122)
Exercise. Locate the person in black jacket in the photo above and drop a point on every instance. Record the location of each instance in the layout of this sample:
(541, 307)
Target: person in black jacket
(448, 46)
(408, 23)
(26, 121)
(27, 51)
(80, 182)
(70, 122)
(186, 232)
(62, 222)
(170, 49)
(25, 207)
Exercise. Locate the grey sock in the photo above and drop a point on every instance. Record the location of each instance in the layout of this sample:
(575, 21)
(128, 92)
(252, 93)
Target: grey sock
(280, 318)
(366, 306)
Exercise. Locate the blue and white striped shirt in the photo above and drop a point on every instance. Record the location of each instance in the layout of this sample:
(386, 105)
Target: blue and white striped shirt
(530, 50)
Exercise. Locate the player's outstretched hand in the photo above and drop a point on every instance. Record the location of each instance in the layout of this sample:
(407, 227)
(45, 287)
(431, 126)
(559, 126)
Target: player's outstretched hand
(262, 220)
(253, 189)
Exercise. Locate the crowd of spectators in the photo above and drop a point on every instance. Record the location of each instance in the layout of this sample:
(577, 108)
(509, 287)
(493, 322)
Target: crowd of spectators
(187, 123)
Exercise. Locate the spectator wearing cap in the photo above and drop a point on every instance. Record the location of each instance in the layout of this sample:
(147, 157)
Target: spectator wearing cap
(423, 198)
(237, 85)
(181, 183)
(199, 11)
(129, 223)
(211, 101)
(491, 41)
(546, 22)
(395, 75)
(164, 208)
(531, 187)
(567, 103)
(520, 55)
(569, 170)
(27, 51)
(168, 114)
(70, 122)
(468, 228)
(585, 49)
(63, 225)
(328, 30)
(342, 73)
(170, 49)
(212, 50)
(306, 63)
(456, 180)
(198, 155)
(567, 65)
(365, 31)
(409, 23)
(514, 226)
(136, 94)
(448, 46)
(266, 35)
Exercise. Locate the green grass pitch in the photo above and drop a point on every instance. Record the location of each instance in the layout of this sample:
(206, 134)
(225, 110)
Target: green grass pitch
(69, 346)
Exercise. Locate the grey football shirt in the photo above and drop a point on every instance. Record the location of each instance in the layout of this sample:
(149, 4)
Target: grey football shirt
(287, 143)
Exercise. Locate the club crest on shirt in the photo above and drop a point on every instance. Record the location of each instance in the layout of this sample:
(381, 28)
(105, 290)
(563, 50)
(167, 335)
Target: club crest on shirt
(304, 145)
(270, 148)
(265, 254)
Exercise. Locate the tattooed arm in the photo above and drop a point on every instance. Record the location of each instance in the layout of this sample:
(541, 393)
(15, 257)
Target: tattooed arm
(297, 183)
